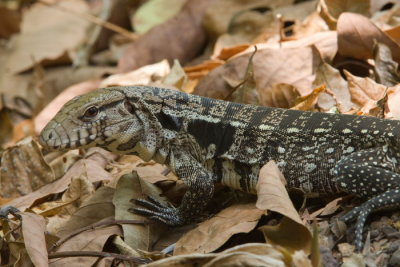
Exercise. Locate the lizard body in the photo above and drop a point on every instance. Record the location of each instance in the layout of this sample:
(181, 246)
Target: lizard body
(207, 141)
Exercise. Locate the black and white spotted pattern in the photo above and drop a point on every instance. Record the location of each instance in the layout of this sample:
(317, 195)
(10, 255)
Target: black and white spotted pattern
(205, 141)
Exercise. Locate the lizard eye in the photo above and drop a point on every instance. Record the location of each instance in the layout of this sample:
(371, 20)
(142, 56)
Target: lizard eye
(91, 112)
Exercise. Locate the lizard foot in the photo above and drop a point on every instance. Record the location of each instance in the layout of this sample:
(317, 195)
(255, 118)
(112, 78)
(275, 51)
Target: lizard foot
(155, 210)
(386, 200)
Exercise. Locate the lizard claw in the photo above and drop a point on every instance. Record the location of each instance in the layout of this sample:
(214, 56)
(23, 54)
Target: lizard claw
(155, 210)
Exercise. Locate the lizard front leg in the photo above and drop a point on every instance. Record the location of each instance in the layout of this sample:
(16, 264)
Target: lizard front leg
(199, 193)
(369, 174)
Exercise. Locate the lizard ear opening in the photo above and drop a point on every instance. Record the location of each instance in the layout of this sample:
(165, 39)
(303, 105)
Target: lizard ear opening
(128, 106)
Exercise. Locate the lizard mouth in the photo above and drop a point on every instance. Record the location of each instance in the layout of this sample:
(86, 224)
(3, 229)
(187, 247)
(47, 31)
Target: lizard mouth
(54, 140)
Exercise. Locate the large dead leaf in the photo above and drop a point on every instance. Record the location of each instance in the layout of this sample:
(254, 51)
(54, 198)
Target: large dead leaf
(92, 166)
(272, 195)
(98, 207)
(136, 236)
(213, 233)
(33, 229)
(334, 82)
(386, 70)
(330, 10)
(270, 67)
(23, 169)
(364, 92)
(66, 29)
(9, 21)
(90, 240)
(357, 35)
(161, 41)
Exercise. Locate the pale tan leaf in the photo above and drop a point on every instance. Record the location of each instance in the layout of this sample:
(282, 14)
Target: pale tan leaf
(213, 233)
(272, 195)
(279, 95)
(364, 92)
(331, 77)
(357, 35)
(142, 76)
(33, 229)
(90, 240)
(136, 236)
(299, 73)
(67, 32)
(386, 70)
(94, 167)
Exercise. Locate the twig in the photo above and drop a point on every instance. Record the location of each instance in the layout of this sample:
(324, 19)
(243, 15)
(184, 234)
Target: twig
(93, 226)
(95, 20)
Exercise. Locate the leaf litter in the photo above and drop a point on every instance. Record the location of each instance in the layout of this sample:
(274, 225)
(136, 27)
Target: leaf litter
(326, 55)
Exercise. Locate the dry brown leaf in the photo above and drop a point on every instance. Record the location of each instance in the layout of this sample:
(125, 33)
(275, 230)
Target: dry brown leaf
(272, 195)
(386, 70)
(54, 106)
(161, 41)
(357, 35)
(136, 236)
(213, 233)
(227, 52)
(98, 207)
(67, 32)
(142, 76)
(330, 10)
(270, 67)
(93, 166)
(33, 229)
(280, 95)
(91, 240)
(394, 33)
(23, 169)
(364, 92)
(308, 102)
(331, 77)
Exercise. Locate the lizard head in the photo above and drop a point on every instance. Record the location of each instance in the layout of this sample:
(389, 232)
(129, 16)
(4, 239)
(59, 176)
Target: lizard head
(97, 118)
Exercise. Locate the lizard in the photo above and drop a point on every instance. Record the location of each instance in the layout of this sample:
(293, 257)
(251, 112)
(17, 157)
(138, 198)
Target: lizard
(206, 141)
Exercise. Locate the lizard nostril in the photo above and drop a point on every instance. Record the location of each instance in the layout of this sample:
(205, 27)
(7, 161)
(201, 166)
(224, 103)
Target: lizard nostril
(50, 135)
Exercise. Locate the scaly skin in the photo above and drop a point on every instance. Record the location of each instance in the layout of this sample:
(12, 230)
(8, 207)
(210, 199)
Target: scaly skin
(205, 141)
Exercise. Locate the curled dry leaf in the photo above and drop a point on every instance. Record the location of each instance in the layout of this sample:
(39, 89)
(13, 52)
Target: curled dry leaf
(136, 236)
(151, 47)
(93, 167)
(272, 195)
(386, 70)
(330, 10)
(66, 29)
(357, 35)
(331, 77)
(33, 229)
(270, 67)
(280, 95)
(251, 254)
(90, 240)
(365, 92)
(144, 75)
(96, 208)
(23, 169)
(213, 233)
